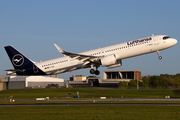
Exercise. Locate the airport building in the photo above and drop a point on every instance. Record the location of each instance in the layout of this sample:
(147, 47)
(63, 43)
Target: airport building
(110, 79)
(122, 75)
(78, 78)
(21, 82)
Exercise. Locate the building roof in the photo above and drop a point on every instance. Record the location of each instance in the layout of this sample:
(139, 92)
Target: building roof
(31, 78)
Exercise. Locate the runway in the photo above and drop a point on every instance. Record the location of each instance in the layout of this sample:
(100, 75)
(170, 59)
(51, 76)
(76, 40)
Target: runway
(94, 104)
(115, 99)
(156, 102)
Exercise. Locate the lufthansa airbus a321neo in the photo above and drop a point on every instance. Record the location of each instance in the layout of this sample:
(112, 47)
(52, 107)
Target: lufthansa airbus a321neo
(110, 57)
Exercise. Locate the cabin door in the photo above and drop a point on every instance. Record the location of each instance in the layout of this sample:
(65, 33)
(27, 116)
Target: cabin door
(156, 41)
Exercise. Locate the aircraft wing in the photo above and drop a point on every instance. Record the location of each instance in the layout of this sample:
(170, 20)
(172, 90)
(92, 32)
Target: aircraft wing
(84, 58)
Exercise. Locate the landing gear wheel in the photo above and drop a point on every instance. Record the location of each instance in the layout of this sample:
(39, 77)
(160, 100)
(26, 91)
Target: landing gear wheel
(92, 71)
(97, 72)
(160, 57)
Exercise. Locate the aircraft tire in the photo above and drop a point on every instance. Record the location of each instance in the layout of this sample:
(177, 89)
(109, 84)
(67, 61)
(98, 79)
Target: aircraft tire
(92, 71)
(160, 57)
(97, 72)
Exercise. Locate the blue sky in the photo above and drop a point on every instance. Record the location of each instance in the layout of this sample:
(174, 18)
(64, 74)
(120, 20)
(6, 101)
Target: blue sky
(34, 26)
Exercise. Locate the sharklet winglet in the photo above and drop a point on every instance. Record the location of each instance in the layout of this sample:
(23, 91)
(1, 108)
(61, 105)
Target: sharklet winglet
(59, 49)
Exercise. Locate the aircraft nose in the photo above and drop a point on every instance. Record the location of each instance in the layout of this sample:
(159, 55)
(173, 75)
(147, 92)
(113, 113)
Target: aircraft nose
(171, 42)
(174, 41)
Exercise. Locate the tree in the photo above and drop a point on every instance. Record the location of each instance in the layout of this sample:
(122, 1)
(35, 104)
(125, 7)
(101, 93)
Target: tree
(123, 84)
(177, 75)
(176, 81)
(169, 81)
(145, 81)
(157, 82)
(132, 83)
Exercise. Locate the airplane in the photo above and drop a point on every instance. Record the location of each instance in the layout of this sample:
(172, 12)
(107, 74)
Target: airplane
(110, 57)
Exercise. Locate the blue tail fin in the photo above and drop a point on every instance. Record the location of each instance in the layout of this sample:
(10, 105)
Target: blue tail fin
(22, 65)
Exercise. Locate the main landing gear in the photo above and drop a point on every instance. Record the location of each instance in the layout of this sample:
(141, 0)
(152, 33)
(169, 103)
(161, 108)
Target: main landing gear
(96, 72)
(160, 57)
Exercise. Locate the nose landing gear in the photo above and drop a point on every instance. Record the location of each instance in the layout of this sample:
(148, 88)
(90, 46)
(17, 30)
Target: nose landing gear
(160, 57)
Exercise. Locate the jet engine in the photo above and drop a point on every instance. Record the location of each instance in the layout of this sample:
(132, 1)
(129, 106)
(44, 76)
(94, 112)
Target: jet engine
(118, 63)
(108, 60)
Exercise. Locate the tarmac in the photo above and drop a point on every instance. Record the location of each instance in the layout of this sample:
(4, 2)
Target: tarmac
(115, 99)
(93, 104)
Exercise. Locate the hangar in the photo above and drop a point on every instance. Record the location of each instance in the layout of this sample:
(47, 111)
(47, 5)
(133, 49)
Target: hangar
(20, 82)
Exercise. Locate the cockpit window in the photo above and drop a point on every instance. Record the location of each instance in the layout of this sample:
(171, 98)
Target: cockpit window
(166, 37)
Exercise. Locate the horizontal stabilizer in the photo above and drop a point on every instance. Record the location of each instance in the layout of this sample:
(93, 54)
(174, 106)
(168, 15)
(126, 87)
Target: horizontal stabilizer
(13, 70)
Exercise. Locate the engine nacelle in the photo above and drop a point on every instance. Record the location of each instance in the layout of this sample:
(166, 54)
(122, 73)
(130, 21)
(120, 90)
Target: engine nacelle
(108, 60)
(118, 64)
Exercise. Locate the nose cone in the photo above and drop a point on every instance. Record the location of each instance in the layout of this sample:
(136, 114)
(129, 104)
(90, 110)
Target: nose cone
(171, 42)
(174, 41)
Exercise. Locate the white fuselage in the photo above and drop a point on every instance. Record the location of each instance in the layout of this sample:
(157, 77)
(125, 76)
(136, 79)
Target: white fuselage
(121, 51)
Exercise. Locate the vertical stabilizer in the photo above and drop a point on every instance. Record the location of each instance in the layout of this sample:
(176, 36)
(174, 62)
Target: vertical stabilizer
(21, 64)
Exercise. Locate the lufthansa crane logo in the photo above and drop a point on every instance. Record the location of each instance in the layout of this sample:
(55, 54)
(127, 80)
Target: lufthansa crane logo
(18, 60)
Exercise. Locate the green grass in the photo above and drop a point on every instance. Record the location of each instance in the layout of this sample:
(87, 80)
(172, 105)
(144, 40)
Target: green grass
(90, 112)
(29, 95)
(88, 93)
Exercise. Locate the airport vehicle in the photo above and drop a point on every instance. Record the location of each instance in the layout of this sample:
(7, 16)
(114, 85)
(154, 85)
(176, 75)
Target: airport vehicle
(110, 57)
